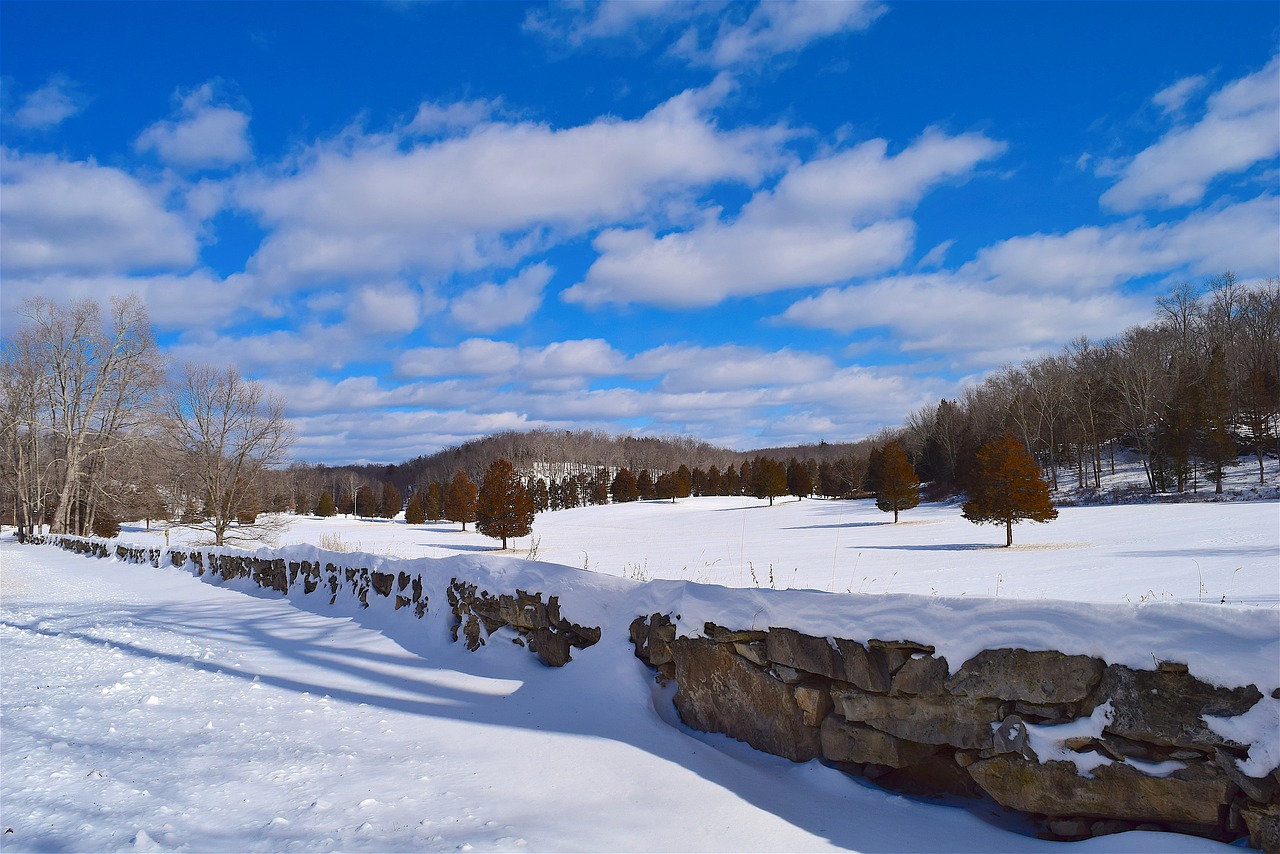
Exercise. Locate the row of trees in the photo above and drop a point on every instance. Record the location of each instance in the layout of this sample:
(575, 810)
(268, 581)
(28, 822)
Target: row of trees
(93, 430)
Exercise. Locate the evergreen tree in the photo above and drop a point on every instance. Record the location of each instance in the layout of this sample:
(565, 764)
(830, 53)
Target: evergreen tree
(898, 487)
(624, 487)
(684, 482)
(391, 501)
(504, 507)
(366, 504)
(434, 503)
(599, 490)
(1007, 487)
(646, 487)
(414, 513)
(541, 495)
(799, 482)
(667, 487)
(768, 478)
(460, 500)
(326, 507)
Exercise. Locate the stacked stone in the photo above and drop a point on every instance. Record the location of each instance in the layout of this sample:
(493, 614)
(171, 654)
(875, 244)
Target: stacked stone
(893, 712)
(537, 625)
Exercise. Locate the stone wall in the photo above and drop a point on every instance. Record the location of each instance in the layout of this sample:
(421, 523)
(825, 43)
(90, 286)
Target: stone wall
(477, 613)
(1087, 748)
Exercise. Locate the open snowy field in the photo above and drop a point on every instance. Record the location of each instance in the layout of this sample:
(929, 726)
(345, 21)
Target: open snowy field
(1198, 552)
(147, 709)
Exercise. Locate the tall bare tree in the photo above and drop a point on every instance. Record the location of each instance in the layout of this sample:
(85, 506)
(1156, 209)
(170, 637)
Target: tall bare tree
(229, 431)
(82, 386)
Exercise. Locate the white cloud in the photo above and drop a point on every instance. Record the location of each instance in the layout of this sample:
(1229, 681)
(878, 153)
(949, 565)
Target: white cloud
(489, 307)
(79, 216)
(387, 308)
(1024, 294)
(826, 221)
(782, 26)
(50, 105)
(1241, 127)
(202, 136)
(367, 206)
(182, 301)
(434, 118)
(1173, 98)
(721, 35)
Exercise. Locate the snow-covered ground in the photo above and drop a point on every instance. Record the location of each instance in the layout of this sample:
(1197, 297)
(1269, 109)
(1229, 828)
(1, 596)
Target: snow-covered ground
(145, 708)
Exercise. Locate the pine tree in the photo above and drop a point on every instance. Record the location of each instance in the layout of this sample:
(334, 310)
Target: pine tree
(1007, 487)
(768, 478)
(366, 504)
(646, 487)
(898, 488)
(799, 481)
(504, 507)
(434, 503)
(326, 508)
(391, 501)
(460, 500)
(624, 487)
(414, 514)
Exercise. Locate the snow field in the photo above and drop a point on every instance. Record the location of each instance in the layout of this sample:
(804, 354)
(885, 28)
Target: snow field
(148, 709)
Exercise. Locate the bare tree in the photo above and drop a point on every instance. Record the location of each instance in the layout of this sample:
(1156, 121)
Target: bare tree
(229, 431)
(81, 387)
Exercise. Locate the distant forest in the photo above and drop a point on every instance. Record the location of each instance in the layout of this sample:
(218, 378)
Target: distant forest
(90, 434)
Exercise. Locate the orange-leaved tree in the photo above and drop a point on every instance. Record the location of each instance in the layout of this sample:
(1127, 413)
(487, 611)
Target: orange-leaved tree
(460, 500)
(505, 508)
(1007, 487)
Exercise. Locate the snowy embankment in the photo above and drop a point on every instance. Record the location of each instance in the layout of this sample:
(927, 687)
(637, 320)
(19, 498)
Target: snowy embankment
(144, 706)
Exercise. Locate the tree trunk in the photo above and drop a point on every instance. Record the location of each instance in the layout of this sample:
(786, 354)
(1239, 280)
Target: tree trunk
(1008, 533)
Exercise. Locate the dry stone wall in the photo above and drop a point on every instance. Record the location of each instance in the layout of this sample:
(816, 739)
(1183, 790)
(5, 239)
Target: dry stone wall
(1122, 749)
(478, 614)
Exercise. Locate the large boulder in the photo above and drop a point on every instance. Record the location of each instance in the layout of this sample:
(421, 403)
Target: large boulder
(1033, 677)
(719, 691)
(837, 659)
(1197, 794)
(1167, 707)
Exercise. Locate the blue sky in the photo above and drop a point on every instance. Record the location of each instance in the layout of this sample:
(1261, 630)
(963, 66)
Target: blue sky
(755, 224)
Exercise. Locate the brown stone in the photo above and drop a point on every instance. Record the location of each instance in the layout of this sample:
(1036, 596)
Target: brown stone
(1193, 795)
(551, 647)
(959, 722)
(1168, 708)
(1032, 677)
(846, 742)
(719, 634)
(718, 691)
(840, 660)
(756, 652)
(815, 701)
(1264, 827)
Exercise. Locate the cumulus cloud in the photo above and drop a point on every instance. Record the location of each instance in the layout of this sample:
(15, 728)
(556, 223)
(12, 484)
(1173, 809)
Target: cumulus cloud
(201, 135)
(826, 221)
(1240, 127)
(79, 216)
(489, 307)
(1019, 294)
(387, 308)
(50, 105)
(366, 205)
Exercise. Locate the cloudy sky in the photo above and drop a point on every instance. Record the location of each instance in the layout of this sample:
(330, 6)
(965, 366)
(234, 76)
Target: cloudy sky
(756, 224)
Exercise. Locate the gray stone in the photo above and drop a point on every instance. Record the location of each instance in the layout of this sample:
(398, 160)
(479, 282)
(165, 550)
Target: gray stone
(846, 742)
(801, 652)
(1168, 708)
(1012, 737)
(1193, 795)
(718, 691)
(1264, 826)
(1032, 677)
(923, 674)
(1262, 790)
(959, 722)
